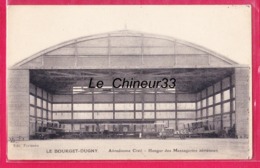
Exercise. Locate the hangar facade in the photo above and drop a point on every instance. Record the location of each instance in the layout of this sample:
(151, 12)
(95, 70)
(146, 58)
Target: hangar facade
(53, 85)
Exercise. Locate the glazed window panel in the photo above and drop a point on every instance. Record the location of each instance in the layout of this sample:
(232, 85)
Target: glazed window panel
(61, 107)
(186, 115)
(149, 115)
(82, 107)
(234, 105)
(217, 109)
(103, 106)
(103, 115)
(217, 98)
(39, 112)
(124, 115)
(138, 115)
(124, 106)
(44, 114)
(82, 115)
(39, 102)
(234, 92)
(149, 106)
(226, 95)
(226, 120)
(210, 111)
(227, 107)
(138, 106)
(44, 104)
(60, 116)
(49, 115)
(32, 99)
(204, 103)
(49, 106)
(204, 113)
(199, 114)
(165, 106)
(199, 104)
(165, 115)
(186, 106)
(210, 100)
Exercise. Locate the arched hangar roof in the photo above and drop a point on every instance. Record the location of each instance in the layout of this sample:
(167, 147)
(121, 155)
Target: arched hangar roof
(124, 50)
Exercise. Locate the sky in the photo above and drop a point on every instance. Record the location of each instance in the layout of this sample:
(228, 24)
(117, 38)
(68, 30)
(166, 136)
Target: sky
(223, 29)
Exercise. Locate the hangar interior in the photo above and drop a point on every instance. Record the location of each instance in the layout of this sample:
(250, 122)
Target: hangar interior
(53, 86)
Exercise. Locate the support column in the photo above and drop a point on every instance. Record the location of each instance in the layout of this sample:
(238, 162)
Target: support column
(18, 104)
(242, 102)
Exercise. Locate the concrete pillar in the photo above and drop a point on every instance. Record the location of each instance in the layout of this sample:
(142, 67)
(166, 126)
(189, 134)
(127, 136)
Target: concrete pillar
(242, 102)
(18, 104)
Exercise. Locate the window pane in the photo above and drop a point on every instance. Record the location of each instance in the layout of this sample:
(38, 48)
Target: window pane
(198, 105)
(149, 115)
(218, 109)
(103, 115)
(186, 115)
(186, 106)
(44, 114)
(32, 100)
(165, 115)
(124, 106)
(39, 102)
(199, 114)
(149, 106)
(82, 115)
(226, 94)
(103, 106)
(49, 115)
(227, 107)
(57, 116)
(44, 104)
(61, 107)
(124, 115)
(82, 107)
(210, 100)
(165, 106)
(204, 103)
(138, 106)
(204, 113)
(217, 98)
(210, 111)
(138, 115)
(39, 112)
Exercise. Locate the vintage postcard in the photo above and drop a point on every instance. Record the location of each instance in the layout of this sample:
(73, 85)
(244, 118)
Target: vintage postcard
(129, 82)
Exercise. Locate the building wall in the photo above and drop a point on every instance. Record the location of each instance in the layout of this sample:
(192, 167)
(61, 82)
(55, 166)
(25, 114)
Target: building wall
(169, 108)
(40, 108)
(242, 101)
(216, 104)
(18, 104)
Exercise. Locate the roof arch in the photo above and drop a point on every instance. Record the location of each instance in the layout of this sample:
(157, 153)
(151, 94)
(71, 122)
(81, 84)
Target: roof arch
(124, 49)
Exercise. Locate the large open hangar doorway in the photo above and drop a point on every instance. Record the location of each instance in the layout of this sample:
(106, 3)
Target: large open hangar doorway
(54, 87)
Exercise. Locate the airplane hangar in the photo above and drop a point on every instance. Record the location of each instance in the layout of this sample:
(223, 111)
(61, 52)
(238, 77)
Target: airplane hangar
(59, 85)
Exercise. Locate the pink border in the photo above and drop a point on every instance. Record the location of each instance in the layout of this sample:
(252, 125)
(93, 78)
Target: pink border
(130, 164)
